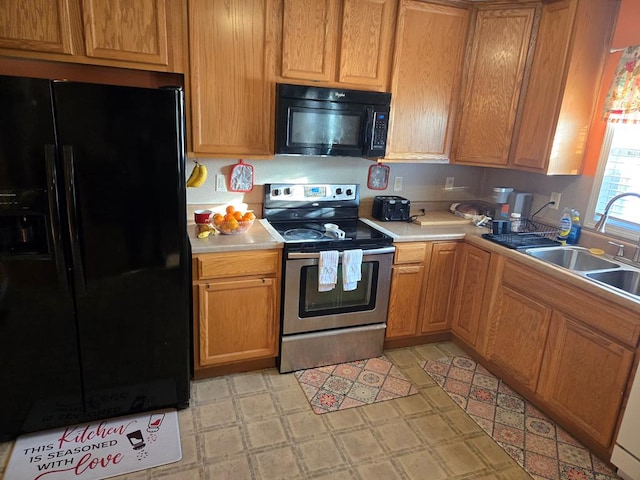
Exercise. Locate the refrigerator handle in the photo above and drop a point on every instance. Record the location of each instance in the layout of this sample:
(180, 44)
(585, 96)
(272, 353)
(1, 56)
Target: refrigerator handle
(72, 215)
(54, 213)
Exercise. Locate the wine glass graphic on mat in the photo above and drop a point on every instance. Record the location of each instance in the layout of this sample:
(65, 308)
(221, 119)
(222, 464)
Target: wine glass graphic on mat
(155, 420)
(136, 439)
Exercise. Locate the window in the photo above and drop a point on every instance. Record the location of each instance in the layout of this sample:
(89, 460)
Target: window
(619, 172)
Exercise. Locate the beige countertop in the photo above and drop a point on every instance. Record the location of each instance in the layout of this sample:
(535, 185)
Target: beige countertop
(259, 237)
(412, 232)
(262, 236)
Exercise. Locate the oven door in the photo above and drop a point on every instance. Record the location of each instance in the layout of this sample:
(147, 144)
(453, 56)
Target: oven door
(305, 309)
(307, 127)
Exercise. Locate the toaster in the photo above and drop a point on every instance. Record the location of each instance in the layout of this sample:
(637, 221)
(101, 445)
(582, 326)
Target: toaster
(391, 208)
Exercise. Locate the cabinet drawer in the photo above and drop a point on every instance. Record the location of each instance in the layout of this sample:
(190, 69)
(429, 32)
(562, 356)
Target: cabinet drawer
(236, 264)
(410, 253)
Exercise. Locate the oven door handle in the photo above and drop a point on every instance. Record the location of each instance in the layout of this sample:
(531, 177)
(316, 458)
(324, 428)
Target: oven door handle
(374, 251)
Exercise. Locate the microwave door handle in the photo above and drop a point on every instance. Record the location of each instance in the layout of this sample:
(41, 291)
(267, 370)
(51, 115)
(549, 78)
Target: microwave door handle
(368, 130)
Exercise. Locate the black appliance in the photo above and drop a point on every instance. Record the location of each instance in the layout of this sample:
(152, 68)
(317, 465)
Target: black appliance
(340, 325)
(94, 253)
(329, 121)
(391, 208)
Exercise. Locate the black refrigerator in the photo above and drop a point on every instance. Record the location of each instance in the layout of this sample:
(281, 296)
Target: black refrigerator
(95, 301)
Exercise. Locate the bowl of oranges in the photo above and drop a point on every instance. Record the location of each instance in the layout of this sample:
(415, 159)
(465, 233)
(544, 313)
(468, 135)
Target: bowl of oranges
(233, 222)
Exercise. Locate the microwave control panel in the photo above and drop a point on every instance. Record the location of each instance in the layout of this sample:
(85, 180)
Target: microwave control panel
(380, 126)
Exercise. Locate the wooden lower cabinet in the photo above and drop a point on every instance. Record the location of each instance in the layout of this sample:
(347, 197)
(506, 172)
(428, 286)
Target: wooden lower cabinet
(518, 334)
(404, 301)
(468, 300)
(568, 350)
(421, 287)
(438, 286)
(584, 376)
(236, 309)
(406, 289)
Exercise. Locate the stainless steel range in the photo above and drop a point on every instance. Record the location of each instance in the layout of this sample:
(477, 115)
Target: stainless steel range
(322, 327)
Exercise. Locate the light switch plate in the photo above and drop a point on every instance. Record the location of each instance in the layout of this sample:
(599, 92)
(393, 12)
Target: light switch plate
(397, 184)
(221, 183)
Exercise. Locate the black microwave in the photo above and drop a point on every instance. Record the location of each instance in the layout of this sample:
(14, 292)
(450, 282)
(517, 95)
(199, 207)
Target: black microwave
(331, 121)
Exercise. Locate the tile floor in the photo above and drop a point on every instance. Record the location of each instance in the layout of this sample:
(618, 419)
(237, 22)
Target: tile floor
(259, 425)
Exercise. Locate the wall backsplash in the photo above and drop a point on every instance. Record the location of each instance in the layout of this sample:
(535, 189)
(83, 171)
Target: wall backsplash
(420, 182)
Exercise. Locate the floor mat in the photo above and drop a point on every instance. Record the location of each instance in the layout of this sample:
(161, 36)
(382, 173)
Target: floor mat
(352, 384)
(96, 450)
(533, 440)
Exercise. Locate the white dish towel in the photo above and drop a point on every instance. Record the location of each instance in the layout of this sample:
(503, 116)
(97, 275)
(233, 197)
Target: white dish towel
(351, 269)
(327, 270)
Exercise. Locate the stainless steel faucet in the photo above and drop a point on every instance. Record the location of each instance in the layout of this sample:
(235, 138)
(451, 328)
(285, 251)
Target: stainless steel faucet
(605, 216)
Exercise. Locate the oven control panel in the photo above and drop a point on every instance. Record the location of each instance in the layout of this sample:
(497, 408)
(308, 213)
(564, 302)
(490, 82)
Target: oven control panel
(316, 192)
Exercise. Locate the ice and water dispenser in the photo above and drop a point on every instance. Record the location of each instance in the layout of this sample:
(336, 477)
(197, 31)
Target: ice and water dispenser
(23, 223)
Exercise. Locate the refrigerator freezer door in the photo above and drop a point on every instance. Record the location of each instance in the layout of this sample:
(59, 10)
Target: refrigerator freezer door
(39, 364)
(123, 161)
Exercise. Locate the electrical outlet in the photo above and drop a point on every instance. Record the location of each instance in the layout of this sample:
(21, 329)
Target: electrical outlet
(397, 184)
(448, 185)
(221, 183)
(555, 197)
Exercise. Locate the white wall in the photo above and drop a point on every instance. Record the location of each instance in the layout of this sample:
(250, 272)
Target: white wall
(421, 182)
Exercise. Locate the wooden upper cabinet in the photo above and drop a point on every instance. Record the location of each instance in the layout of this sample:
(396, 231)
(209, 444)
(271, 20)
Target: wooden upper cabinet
(366, 41)
(231, 99)
(126, 30)
(309, 39)
(141, 34)
(571, 48)
(38, 25)
(494, 74)
(337, 42)
(427, 64)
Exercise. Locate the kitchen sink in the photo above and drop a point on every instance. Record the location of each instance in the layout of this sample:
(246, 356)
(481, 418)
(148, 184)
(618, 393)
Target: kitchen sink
(572, 258)
(626, 280)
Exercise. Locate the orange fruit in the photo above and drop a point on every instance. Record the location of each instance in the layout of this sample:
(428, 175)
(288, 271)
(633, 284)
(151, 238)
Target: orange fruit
(218, 218)
(230, 209)
(228, 217)
(232, 224)
(247, 217)
(238, 215)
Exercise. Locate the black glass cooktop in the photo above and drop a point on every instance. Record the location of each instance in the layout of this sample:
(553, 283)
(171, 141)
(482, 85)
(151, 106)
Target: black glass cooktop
(309, 235)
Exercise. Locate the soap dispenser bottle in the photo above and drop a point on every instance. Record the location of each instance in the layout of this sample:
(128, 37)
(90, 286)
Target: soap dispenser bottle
(576, 229)
(564, 227)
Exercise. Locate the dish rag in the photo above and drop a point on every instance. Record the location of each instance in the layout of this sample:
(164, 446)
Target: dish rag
(327, 270)
(351, 269)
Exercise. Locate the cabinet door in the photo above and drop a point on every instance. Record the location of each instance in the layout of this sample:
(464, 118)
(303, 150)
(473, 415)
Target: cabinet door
(578, 359)
(237, 321)
(571, 47)
(366, 41)
(517, 337)
(542, 101)
(426, 71)
(309, 34)
(493, 80)
(439, 287)
(37, 25)
(126, 30)
(404, 300)
(231, 96)
(472, 268)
